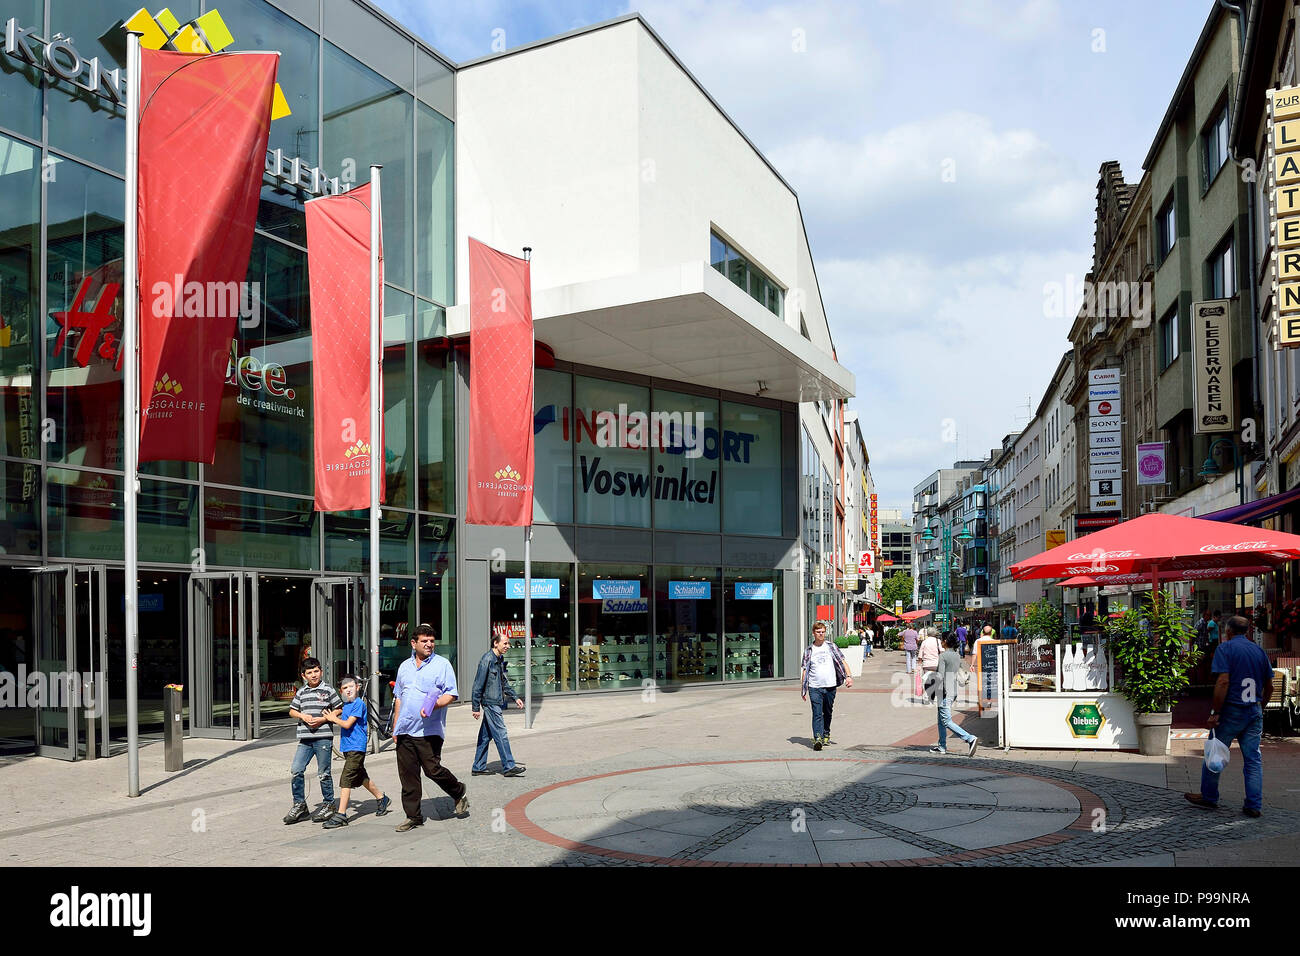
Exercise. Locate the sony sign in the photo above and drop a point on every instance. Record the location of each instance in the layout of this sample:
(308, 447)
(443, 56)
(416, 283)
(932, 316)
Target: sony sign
(59, 59)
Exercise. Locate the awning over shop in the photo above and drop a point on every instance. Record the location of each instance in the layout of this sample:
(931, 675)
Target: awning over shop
(1255, 510)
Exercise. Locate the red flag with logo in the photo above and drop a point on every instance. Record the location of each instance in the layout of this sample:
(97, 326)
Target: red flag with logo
(204, 123)
(500, 485)
(338, 264)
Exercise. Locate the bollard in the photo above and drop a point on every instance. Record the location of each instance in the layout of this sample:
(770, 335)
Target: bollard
(173, 728)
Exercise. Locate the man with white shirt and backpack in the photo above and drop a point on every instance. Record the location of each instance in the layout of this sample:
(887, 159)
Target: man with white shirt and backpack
(822, 673)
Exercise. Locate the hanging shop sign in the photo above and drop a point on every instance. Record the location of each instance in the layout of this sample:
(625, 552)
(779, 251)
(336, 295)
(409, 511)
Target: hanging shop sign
(1283, 158)
(605, 589)
(625, 606)
(1212, 364)
(1088, 523)
(1055, 538)
(1103, 376)
(753, 591)
(1151, 463)
(543, 589)
(689, 590)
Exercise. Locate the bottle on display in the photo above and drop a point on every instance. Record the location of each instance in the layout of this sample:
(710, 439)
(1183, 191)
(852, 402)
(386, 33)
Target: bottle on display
(1067, 659)
(1089, 669)
(1101, 669)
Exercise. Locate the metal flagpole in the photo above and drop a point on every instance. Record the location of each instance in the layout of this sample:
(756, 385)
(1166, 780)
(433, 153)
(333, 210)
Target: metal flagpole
(528, 577)
(130, 400)
(376, 435)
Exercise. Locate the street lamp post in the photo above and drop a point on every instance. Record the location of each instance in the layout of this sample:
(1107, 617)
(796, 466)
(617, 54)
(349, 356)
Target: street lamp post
(943, 587)
(1210, 469)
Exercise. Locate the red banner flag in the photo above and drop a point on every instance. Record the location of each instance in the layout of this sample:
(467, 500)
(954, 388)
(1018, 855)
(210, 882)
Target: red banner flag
(500, 488)
(338, 264)
(204, 123)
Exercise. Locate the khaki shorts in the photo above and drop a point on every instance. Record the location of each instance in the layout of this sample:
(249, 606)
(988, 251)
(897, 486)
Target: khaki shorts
(354, 770)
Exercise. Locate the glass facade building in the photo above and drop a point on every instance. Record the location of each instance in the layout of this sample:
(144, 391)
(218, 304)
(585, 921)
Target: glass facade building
(661, 542)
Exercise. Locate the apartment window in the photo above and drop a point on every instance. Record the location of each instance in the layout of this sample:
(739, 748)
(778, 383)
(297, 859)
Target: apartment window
(1166, 229)
(1169, 338)
(1220, 277)
(747, 275)
(1214, 147)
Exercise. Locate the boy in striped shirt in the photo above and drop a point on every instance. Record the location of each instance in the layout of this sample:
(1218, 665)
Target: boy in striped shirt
(315, 739)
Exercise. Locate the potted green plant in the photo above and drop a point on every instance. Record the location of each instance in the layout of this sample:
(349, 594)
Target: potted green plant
(891, 639)
(1150, 647)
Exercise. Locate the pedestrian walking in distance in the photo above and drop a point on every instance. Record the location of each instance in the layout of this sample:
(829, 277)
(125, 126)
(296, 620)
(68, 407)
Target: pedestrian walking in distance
(910, 640)
(1243, 685)
(822, 673)
(491, 692)
(948, 676)
(353, 737)
(315, 739)
(426, 685)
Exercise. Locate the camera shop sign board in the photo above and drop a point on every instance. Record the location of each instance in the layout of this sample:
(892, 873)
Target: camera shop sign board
(1212, 363)
(1284, 210)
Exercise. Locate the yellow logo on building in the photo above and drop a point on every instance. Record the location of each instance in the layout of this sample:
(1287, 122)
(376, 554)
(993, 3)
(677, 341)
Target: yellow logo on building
(205, 34)
(360, 448)
(167, 385)
(507, 474)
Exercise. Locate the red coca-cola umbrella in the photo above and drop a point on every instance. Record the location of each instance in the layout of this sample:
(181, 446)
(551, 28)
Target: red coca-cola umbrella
(914, 615)
(1157, 544)
(1104, 580)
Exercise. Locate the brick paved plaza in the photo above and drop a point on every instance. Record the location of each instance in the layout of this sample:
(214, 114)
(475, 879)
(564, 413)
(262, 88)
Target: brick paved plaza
(692, 777)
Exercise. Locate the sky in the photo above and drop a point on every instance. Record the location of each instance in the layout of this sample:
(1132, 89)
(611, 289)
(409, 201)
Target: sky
(946, 157)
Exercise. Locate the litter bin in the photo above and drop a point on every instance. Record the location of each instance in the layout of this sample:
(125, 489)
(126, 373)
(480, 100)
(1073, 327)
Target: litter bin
(173, 728)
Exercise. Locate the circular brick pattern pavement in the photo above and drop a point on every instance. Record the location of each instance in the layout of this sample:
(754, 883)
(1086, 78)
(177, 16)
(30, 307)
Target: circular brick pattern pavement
(863, 811)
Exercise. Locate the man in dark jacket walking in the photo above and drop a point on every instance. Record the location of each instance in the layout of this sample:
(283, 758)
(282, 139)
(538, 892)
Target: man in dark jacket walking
(492, 691)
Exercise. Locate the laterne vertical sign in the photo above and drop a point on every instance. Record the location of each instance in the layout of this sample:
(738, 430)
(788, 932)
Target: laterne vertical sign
(1283, 164)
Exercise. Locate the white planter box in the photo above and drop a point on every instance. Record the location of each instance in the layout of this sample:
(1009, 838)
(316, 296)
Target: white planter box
(853, 657)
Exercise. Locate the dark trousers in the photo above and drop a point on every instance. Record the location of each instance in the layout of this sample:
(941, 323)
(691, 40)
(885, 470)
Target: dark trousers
(423, 753)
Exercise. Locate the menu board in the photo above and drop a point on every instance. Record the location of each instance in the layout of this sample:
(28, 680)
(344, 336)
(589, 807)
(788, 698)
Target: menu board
(986, 657)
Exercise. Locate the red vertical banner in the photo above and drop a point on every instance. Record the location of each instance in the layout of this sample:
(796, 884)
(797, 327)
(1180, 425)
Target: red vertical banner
(500, 481)
(204, 123)
(338, 267)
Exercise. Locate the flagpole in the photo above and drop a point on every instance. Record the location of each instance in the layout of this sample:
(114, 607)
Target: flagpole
(376, 435)
(130, 401)
(528, 565)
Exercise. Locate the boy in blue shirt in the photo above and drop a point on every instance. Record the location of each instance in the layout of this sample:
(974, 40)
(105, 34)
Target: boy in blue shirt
(353, 733)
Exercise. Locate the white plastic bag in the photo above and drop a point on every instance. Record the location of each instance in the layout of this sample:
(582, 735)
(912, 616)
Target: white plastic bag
(1216, 754)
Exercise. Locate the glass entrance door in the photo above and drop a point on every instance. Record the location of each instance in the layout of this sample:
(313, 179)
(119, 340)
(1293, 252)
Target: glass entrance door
(338, 628)
(70, 658)
(223, 666)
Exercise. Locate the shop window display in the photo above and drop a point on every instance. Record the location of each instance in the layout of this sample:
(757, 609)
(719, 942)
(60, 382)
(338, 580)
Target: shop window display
(614, 649)
(20, 328)
(688, 602)
(438, 583)
(752, 646)
(555, 664)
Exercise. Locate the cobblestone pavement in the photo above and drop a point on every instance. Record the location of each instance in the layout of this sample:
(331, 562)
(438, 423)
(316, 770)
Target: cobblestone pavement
(708, 776)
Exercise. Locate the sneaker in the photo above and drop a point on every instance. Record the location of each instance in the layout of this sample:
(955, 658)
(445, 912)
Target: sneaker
(297, 813)
(1197, 800)
(516, 771)
(462, 805)
(382, 808)
(481, 773)
(409, 824)
(324, 812)
(974, 746)
(336, 821)
(1251, 813)
(826, 739)
(817, 743)
(937, 750)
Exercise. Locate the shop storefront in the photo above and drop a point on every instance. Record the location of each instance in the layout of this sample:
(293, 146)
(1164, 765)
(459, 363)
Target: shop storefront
(240, 579)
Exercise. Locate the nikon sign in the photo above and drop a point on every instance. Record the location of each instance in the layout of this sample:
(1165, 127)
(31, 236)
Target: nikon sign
(1212, 358)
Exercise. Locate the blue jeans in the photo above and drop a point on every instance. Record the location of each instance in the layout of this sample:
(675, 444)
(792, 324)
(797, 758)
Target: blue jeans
(492, 729)
(1245, 724)
(946, 724)
(322, 750)
(823, 703)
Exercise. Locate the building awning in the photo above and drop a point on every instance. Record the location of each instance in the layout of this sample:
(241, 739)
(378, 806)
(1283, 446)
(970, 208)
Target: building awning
(686, 323)
(1255, 510)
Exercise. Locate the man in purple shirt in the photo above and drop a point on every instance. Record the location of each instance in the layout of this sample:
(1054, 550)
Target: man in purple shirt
(425, 686)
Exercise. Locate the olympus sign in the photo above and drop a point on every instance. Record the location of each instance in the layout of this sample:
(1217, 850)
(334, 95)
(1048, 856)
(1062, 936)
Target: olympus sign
(59, 59)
